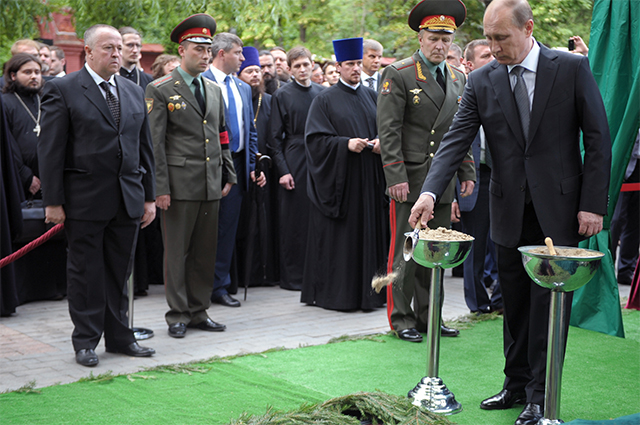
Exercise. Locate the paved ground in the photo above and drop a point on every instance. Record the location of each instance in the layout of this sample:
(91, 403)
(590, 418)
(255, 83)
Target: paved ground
(35, 343)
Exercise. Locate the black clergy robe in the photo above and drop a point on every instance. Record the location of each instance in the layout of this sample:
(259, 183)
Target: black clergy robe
(348, 220)
(10, 217)
(257, 242)
(21, 126)
(41, 274)
(289, 108)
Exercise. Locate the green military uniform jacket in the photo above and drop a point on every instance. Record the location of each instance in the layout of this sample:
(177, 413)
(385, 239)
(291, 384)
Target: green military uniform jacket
(189, 155)
(413, 116)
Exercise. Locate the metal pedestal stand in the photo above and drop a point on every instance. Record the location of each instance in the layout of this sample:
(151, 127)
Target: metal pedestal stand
(561, 275)
(138, 333)
(431, 392)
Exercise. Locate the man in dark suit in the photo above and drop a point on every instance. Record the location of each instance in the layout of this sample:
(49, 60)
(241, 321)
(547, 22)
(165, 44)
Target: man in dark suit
(473, 210)
(243, 140)
(532, 103)
(97, 161)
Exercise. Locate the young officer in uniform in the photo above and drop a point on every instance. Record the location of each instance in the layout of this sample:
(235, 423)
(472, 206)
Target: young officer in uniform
(186, 115)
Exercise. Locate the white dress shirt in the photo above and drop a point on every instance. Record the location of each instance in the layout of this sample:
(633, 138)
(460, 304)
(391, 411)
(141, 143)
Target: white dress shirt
(220, 79)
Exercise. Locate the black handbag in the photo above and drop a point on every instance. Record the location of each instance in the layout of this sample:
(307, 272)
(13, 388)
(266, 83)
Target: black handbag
(33, 225)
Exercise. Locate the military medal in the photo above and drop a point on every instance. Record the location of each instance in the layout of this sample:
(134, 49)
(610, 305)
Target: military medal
(178, 106)
(171, 107)
(416, 99)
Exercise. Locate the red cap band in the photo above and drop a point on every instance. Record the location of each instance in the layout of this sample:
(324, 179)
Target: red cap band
(195, 32)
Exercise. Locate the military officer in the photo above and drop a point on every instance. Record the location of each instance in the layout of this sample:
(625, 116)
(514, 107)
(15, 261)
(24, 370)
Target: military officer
(418, 97)
(186, 114)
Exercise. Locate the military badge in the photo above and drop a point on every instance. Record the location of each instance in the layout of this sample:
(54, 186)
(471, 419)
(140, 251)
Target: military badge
(171, 107)
(178, 106)
(184, 105)
(149, 102)
(386, 87)
(176, 97)
(459, 99)
(416, 98)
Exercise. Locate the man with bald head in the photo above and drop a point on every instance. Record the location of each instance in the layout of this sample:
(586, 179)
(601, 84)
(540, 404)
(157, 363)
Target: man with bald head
(533, 103)
(97, 168)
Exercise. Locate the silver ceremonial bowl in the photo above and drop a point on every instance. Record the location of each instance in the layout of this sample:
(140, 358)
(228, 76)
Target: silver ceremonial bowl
(431, 254)
(560, 273)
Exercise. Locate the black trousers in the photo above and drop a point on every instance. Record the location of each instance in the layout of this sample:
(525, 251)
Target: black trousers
(97, 265)
(526, 316)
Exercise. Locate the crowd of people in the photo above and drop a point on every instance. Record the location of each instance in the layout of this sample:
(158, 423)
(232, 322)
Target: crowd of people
(233, 166)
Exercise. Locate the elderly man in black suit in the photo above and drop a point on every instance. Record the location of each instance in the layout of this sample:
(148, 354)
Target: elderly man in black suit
(97, 162)
(532, 103)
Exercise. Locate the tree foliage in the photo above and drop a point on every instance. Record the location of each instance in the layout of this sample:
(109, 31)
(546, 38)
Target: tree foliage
(267, 23)
(18, 20)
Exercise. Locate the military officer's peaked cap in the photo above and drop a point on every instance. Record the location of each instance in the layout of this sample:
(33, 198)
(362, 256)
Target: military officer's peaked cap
(198, 28)
(438, 15)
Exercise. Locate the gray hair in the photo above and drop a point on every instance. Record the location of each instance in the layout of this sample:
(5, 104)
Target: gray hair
(224, 41)
(91, 33)
(129, 30)
(371, 44)
(59, 52)
(456, 49)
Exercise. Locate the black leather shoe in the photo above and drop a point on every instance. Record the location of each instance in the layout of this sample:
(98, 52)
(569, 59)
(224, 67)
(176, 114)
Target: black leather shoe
(530, 415)
(503, 400)
(445, 331)
(177, 330)
(411, 335)
(226, 300)
(209, 325)
(87, 357)
(133, 350)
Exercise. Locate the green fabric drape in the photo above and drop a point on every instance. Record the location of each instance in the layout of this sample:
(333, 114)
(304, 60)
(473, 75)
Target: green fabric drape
(614, 56)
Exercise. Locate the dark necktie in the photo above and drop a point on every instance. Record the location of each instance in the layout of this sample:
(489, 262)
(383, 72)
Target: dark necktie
(112, 102)
(440, 80)
(198, 95)
(521, 96)
(370, 81)
(232, 116)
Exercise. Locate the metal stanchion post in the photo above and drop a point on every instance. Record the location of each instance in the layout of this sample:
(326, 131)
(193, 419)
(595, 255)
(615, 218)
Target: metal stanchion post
(560, 274)
(139, 333)
(431, 393)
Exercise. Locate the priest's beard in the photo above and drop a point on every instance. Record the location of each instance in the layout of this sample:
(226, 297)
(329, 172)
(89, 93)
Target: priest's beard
(271, 85)
(26, 91)
(256, 91)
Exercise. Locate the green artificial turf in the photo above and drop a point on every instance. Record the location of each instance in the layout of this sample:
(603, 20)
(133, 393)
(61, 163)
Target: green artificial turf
(600, 381)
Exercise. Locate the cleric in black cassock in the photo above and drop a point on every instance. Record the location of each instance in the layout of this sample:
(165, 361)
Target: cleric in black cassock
(289, 109)
(348, 228)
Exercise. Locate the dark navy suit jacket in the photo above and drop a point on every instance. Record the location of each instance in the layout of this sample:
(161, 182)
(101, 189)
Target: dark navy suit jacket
(566, 101)
(250, 133)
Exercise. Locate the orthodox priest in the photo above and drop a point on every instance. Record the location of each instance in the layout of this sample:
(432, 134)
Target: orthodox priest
(348, 227)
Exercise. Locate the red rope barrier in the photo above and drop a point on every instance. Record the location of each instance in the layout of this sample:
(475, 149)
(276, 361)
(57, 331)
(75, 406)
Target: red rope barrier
(32, 245)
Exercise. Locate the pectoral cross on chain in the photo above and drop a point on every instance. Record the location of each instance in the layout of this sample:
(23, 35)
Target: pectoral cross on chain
(36, 130)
